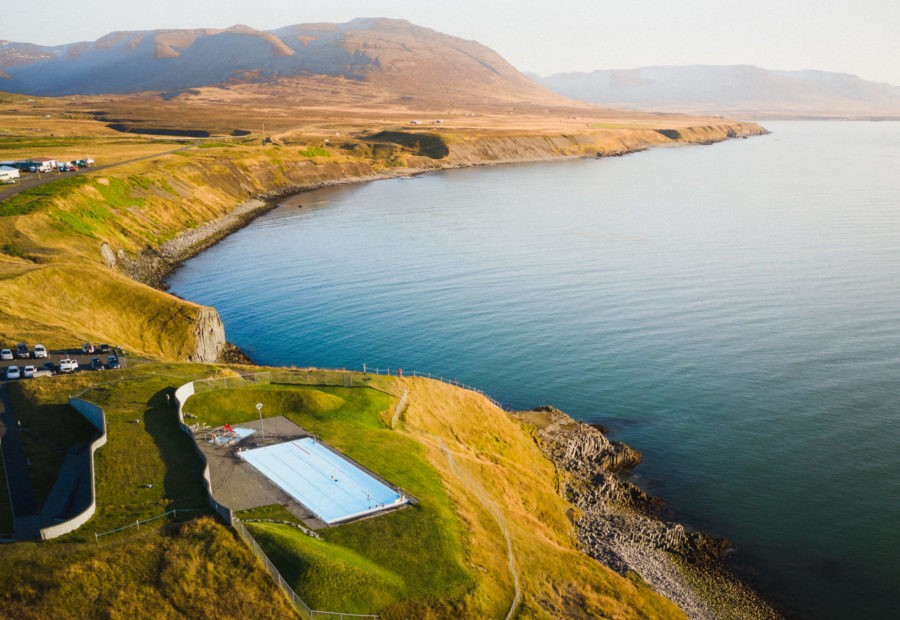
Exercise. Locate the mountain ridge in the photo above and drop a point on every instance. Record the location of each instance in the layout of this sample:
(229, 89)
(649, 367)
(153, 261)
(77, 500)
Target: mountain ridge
(745, 90)
(384, 52)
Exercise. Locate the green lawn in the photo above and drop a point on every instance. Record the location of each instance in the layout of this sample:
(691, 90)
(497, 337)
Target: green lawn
(328, 576)
(48, 430)
(145, 445)
(411, 558)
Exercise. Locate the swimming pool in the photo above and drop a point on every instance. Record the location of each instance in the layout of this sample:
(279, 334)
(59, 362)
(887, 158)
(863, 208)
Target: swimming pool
(323, 481)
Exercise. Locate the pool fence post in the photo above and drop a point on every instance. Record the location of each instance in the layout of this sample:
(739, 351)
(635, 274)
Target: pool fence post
(262, 428)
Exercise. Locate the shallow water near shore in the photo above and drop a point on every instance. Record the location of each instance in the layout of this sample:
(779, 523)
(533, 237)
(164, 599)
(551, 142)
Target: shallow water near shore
(731, 311)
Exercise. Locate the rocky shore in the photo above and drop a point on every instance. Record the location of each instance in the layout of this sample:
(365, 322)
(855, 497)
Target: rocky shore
(153, 264)
(620, 525)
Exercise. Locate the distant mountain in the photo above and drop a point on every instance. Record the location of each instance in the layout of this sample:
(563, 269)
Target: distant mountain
(390, 53)
(739, 90)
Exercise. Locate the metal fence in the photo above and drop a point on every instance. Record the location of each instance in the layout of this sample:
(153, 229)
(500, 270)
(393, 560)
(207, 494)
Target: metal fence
(414, 373)
(138, 524)
(297, 376)
(300, 605)
(331, 378)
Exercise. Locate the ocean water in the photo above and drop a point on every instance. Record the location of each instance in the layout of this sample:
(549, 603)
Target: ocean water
(732, 311)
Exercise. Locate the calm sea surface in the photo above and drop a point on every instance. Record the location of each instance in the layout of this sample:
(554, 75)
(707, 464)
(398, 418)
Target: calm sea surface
(732, 311)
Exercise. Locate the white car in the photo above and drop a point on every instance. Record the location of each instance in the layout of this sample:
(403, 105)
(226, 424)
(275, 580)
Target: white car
(39, 351)
(12, 372)
(6, 354)
(87, 347)
(68, 365)
(28, 372)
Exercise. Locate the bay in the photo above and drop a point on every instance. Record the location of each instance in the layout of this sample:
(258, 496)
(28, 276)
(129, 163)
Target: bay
(731, 311)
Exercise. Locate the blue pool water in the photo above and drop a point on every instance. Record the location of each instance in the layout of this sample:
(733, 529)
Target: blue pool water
(731, 311)
(328, 485)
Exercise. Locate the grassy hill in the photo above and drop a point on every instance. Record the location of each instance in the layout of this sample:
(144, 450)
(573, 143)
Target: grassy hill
(193, 569)
(488, 522)
(488, 516)
(70, 250)
(489, 533)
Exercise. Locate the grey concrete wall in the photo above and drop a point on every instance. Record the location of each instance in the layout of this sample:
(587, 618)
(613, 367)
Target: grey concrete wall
(95, 416)
(181, 395)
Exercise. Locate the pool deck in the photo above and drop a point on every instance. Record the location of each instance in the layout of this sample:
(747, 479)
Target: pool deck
(240, 486)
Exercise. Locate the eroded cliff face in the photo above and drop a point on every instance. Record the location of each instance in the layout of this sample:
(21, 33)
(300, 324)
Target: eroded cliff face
(209, 336)
(475, 150)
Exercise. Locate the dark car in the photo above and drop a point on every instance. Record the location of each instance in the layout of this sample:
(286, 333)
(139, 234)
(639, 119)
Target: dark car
(105, 348)
(112, 362)
(49, 366)
(96, 364)
(22, 350)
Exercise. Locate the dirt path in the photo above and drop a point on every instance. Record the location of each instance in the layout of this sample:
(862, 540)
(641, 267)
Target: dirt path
(473, 485)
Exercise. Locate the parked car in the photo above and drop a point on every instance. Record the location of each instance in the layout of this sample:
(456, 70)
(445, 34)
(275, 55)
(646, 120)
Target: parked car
(39, 351)
(28, 372)
(12, 372)
(49, 367)
(112, 362)
(22, 351)
(96, 364)
(68, 365)
(105, 348)
(87, 347)
(6, 354)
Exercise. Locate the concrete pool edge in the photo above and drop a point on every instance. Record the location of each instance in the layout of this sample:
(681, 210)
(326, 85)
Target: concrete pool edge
(306, 476)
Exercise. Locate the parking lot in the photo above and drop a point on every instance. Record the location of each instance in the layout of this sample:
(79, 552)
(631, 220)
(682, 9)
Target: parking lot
(53, 357)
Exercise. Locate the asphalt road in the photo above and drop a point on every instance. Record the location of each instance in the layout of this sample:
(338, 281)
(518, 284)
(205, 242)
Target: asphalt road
(35, 179)
(83, 359)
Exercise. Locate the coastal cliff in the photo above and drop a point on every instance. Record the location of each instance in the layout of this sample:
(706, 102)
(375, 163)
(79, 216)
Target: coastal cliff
(620, 525)
(142, 219)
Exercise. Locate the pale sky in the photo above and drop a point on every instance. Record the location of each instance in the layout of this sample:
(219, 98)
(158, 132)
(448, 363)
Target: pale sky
(851, 36)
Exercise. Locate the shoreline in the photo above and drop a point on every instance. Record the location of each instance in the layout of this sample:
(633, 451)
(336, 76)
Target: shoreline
(622, 526)
(618, 526)
(154, 265)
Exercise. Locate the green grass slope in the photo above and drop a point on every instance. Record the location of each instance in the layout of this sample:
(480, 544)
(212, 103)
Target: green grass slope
(417, 551)
(478, 477)
(195, 570)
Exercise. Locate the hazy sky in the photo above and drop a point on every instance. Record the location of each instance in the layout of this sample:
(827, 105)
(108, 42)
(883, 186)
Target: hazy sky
(853, 36)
